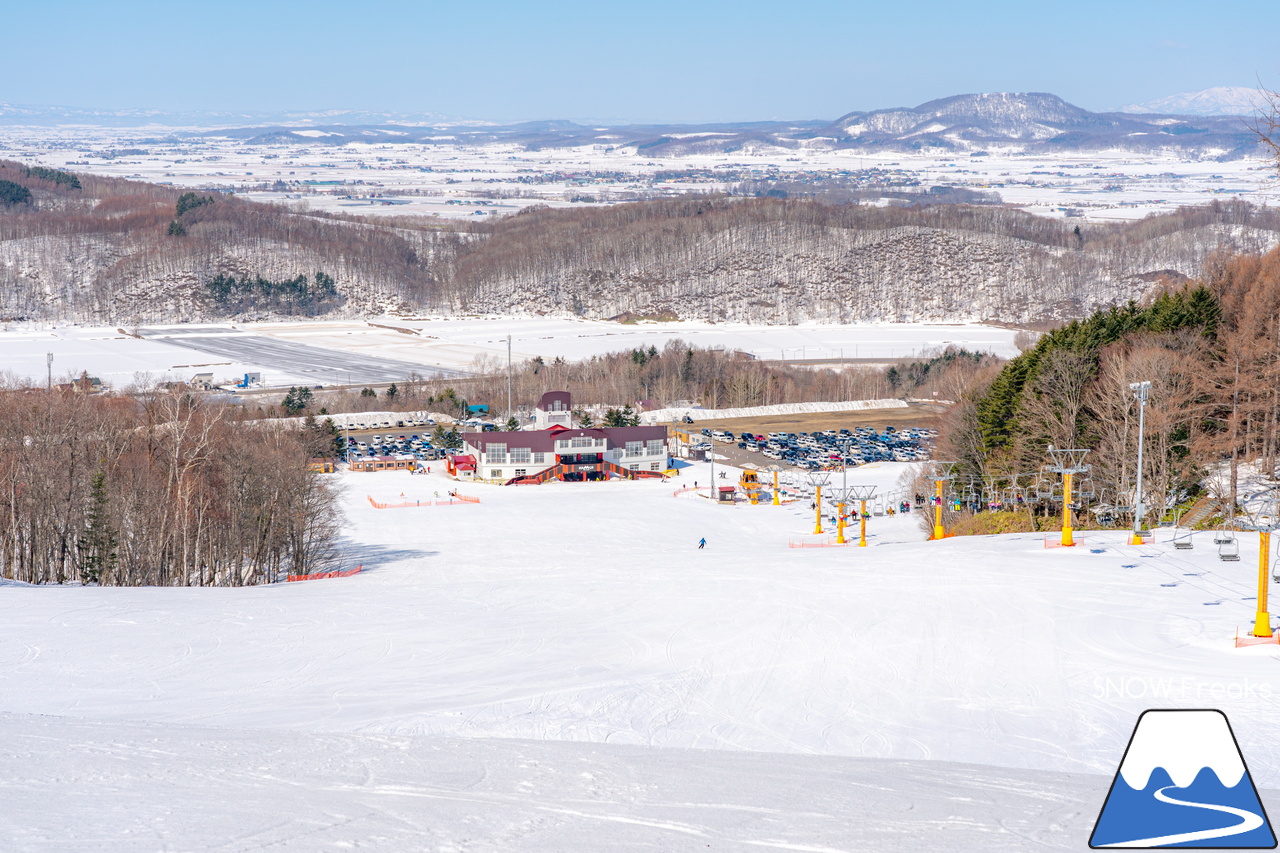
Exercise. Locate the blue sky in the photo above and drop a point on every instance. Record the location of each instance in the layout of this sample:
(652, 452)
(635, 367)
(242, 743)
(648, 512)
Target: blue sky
(648, 60)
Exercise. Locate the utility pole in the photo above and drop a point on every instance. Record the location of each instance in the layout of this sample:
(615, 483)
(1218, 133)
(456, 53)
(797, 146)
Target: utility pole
(48, 360)
(509, 413)
(1140, 391)
(712, 454)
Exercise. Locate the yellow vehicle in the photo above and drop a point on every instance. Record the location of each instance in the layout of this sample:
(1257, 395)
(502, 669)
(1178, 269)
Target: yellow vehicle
(750, 484)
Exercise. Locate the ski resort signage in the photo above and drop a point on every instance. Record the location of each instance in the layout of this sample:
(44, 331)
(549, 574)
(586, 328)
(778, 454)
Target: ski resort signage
(1183, 783)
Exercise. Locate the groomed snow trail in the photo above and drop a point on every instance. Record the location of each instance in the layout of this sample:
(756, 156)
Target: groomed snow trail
(584, 612)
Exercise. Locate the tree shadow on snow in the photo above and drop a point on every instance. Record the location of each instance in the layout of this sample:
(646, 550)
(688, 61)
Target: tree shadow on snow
(372, 557)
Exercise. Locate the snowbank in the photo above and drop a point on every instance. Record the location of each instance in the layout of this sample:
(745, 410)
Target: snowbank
(659, 416)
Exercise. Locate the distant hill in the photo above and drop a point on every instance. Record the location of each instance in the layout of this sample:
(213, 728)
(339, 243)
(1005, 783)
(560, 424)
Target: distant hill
(1200, 124)
(96, 249)
(1216, 101)
(1035, 122)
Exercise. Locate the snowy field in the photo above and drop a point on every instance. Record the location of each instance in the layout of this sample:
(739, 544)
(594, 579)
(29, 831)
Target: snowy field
(344, 352)
(549, 668)
(450, 179)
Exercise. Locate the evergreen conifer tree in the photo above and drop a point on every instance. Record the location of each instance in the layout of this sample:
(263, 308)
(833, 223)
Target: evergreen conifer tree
(97, 545)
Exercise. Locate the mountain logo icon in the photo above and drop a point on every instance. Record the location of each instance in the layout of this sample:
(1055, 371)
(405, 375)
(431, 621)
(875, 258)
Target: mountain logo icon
(1183, 783)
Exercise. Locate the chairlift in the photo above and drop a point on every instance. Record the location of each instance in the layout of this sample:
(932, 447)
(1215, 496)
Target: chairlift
(1182, 541)
(879, 508)
(1229, 550)
(1222, 536)
(1043, 488)
(1275, 570)
(1084, 489)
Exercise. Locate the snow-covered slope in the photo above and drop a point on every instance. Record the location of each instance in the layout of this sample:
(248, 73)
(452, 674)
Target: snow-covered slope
(95, 786)
(585, 613)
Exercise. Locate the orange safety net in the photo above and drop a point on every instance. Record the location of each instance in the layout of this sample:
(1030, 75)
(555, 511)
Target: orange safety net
(320, 575)
(456, 499)
(830, 543)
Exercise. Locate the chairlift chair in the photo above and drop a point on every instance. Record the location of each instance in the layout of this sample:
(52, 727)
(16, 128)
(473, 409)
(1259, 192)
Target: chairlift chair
(1043, 488)
(878, 509)
(1222, 536)
(1182, 541)
(1084, 489)
(1229, 551)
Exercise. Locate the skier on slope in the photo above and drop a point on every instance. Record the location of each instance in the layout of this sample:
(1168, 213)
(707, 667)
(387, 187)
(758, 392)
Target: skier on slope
(702, 543)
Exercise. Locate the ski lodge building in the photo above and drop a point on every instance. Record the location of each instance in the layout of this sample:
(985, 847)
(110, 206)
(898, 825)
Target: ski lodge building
(556, 450)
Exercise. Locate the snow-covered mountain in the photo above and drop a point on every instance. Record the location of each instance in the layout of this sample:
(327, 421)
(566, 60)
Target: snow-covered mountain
(1020, 121)
(1214, 101)
(1034, 115)
(1030, 121)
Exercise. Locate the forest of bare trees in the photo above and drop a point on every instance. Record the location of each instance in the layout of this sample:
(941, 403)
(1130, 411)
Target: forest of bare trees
(126, 252)
(712, 378)
(154, 488)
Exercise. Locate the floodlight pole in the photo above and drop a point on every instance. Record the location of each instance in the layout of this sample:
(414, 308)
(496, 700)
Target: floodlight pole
(1140, 391)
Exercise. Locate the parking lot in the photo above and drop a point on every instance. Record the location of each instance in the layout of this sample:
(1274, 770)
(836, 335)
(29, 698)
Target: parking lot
(817, 439)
